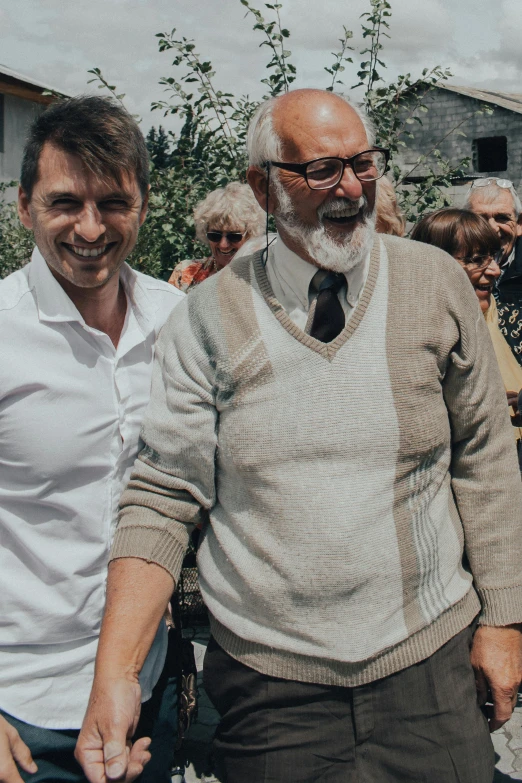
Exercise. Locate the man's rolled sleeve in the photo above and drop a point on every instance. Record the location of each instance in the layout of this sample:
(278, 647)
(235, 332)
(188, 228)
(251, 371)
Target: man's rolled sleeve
(485, 473)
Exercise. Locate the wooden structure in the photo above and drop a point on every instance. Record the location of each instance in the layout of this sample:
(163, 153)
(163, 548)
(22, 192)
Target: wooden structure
(21, 99)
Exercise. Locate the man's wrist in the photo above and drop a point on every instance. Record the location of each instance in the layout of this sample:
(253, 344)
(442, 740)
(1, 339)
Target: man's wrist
(511, 626)
(116, 670)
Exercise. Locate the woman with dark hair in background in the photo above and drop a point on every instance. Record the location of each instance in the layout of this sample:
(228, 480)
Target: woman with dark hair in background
(473, 243)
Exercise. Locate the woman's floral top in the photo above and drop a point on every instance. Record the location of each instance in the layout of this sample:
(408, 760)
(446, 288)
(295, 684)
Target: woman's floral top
(189, 273)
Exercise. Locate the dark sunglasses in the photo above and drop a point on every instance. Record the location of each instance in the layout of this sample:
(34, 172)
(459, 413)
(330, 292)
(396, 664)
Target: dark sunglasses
(232, 236)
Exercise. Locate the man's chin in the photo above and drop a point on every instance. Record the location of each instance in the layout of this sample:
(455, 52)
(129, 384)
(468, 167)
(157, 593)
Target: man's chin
(84, 274)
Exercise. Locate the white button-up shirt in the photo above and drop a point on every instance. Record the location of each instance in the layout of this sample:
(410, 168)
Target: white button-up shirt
(290, 277)
(71, 406)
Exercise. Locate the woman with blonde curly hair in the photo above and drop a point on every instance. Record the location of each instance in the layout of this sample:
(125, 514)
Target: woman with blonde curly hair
(390, 219)
(224, 220)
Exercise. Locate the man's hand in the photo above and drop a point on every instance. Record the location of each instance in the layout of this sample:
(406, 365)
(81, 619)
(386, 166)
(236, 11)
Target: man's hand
(512, 399)
(104, 747)
(137, 595)
(496, 657)
(13, 751)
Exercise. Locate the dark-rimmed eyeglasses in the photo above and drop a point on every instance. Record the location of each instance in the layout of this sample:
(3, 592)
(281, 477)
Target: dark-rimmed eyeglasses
(323, 173)
(231, 236)
(480, 261)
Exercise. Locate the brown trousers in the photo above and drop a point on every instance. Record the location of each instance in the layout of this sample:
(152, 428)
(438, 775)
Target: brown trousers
(421, 725)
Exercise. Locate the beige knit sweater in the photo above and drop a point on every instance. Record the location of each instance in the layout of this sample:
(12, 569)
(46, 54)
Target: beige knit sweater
(338, 484)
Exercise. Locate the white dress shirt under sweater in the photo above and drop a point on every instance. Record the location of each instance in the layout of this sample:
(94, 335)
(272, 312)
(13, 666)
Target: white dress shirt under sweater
(71, 406)
(290, 277)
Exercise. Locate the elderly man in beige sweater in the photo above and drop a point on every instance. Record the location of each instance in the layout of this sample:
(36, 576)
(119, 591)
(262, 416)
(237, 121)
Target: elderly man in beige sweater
(329, 410)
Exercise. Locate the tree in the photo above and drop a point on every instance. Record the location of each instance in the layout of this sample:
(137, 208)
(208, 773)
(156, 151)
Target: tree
(158, 145)
(209, 151)
(16, 242)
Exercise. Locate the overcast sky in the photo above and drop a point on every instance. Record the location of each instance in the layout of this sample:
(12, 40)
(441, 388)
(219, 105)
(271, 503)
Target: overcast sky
(57, 41)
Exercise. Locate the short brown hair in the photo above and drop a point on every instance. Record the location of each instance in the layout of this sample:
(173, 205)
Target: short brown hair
(96, 129)
(455, 230)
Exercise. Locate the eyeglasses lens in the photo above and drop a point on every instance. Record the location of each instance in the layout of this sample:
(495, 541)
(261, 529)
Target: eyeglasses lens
(483, 183)
(370, 165)
(326, 173)
(480, 261)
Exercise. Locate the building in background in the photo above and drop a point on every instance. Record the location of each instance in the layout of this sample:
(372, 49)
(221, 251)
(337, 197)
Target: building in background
(453, 125)
(21, 99)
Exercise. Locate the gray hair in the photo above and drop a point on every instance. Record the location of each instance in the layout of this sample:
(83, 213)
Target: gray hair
(491, 191)
(263, 143)
(233, 207)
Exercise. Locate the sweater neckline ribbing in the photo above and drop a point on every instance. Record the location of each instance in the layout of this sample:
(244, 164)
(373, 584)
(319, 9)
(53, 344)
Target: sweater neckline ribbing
(326, 350)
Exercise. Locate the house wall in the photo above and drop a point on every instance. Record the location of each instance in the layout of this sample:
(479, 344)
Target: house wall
(18, 114)
(446, 111)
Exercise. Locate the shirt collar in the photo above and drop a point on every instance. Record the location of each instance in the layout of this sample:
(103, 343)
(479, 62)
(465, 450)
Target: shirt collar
(293, 270)
(54, 305)
(297, 274)
(510, 258)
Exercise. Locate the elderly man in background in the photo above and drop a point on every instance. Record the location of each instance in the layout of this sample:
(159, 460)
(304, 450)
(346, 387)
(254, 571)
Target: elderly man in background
(78, 337)
(497, 200)
(347, 550)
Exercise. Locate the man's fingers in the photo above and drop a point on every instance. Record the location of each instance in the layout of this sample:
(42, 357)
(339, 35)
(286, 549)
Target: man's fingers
(9, 772)
(22, 754)
(139, 757)
(126, 766)
(504, 701)
(116, 757)
(13, 748)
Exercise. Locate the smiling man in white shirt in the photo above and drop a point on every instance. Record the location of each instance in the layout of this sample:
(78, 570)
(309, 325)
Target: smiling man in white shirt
(78, 333)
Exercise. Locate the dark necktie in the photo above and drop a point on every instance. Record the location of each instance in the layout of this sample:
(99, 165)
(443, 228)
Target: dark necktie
(329, 317)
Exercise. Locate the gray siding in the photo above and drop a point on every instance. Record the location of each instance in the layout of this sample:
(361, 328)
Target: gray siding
(446, 110)
(18, 114)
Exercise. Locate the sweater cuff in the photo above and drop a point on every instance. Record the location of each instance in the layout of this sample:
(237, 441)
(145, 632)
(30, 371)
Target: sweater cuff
(152, 545)
(501, 606)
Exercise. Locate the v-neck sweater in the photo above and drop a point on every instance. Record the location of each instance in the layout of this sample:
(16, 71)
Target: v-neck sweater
(339, 485)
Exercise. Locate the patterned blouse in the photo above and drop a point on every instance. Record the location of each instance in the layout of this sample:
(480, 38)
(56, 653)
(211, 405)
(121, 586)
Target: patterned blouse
(189, 273)
(510, 324)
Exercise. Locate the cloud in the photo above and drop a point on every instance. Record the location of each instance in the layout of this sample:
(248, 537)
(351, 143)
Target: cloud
(58, 41)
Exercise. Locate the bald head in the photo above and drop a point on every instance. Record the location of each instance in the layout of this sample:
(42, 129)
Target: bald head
(300, 117)
(285, 122)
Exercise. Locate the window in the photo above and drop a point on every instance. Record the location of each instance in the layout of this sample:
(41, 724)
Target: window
(1, 123)
(490, 154)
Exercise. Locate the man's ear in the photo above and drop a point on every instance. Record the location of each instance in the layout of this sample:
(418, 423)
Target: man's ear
(144, 206)
(519, 226)
(23, 209)
(257, 179)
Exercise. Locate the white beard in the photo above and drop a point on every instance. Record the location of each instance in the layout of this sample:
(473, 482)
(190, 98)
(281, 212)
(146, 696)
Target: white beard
(325, 251)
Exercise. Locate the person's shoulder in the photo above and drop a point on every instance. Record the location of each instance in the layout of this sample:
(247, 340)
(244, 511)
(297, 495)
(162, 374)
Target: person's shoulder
(156, 296)
(239, 270)
(428, 276)
(157, 287)
(13, 288)
(422, 258)
(403, 247)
